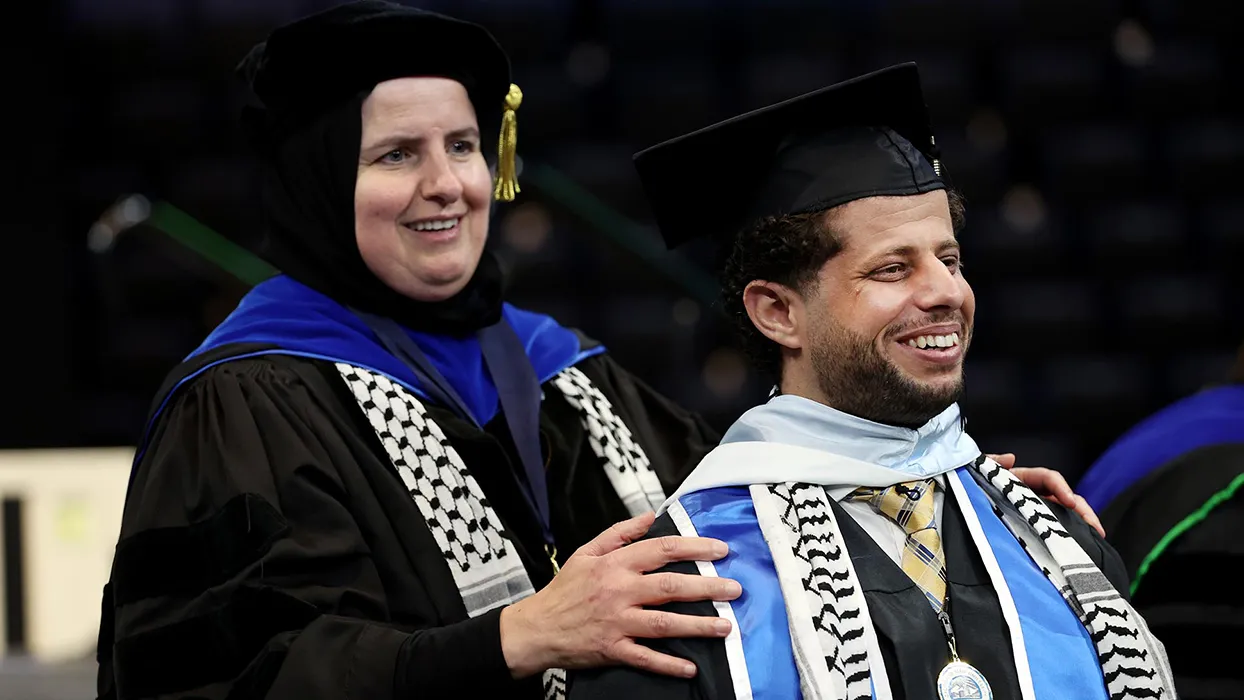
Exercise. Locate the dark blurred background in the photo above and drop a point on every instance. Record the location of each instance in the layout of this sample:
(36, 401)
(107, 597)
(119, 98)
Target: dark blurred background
(1099, 145)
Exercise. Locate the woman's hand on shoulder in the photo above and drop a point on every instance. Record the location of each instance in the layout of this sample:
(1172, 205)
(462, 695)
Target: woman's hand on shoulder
(595, 608)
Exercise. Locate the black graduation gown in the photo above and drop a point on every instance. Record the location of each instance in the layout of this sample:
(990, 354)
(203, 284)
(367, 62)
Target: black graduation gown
(269, 549)
(1189, 594)
(912, 641)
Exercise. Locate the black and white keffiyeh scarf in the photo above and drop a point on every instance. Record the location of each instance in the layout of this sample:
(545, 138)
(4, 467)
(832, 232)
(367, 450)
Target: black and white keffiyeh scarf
(485, 567)
(835, 646)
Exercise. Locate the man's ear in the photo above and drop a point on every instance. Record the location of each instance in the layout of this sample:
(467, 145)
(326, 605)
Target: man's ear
(777, 311)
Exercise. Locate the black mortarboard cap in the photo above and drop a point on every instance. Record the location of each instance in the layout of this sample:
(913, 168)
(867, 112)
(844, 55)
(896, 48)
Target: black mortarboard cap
(315, 63)
(864, 137)
(332, 55)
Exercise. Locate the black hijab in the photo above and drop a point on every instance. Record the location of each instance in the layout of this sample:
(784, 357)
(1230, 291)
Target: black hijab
(308, 82)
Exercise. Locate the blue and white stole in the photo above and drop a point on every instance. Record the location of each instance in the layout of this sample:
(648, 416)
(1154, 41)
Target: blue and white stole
(766, 491)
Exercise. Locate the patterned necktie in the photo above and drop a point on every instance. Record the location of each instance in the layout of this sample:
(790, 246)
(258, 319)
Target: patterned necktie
(910, 505)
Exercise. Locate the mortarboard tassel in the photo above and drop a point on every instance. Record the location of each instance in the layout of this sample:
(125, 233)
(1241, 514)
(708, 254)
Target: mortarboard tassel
(507, 177)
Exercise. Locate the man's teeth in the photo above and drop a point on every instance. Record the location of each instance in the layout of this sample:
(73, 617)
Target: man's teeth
(934, 341)
(439, 225)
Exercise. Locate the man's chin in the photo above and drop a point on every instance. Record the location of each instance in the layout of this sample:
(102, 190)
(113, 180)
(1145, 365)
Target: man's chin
(939, 390)
(934, 380)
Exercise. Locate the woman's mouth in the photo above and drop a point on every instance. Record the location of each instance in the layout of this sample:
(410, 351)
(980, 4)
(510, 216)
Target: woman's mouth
(435, 229)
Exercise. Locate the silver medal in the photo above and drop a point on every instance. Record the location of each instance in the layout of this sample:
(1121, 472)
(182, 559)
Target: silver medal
(960, 681)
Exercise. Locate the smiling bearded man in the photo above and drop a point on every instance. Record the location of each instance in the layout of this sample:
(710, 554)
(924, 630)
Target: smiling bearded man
(912, 368)
(843, 274)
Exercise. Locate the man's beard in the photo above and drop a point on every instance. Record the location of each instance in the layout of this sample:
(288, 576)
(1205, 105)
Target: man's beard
(857, 379)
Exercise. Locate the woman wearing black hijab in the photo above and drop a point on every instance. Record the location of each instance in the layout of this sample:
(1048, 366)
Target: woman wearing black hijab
(357, 483)
(350, 486)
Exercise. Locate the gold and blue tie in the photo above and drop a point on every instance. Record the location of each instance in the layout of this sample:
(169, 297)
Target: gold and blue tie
(910, 505)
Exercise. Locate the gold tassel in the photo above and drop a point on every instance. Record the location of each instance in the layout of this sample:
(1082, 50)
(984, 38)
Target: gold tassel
(507, 178)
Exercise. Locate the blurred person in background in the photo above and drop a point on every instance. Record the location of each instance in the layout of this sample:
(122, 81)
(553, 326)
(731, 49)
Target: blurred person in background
(1170, 491)
(843, 275)
(358, 483)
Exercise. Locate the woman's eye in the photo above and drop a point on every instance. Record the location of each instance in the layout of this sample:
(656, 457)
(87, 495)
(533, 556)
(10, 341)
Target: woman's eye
(394, 156)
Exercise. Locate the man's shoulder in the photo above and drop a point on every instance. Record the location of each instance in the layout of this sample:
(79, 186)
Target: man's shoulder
(1103, 556)
(664, 526)
(1098, 549)
(712, 680)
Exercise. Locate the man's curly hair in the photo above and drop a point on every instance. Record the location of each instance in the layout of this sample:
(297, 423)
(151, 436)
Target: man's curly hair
(789, 250)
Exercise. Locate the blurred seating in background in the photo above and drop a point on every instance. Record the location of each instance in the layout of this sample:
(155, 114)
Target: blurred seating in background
(1099, 145)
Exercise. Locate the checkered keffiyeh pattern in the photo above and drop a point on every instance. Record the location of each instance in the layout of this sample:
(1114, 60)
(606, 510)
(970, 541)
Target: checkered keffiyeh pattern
(468, 532)
(910, 504)
(828, 618)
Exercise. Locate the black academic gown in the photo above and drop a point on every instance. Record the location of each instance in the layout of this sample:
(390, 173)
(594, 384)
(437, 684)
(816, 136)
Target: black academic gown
(269, 549)
(1189, 593)
(912, 641)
